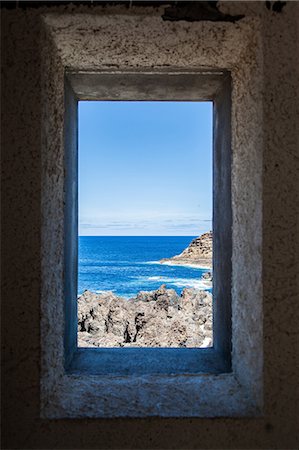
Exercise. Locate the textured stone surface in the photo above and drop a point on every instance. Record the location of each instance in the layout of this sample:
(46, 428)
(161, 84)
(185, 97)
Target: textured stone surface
(99, 41)
(198, 252)
(276, 280)
(159, 318)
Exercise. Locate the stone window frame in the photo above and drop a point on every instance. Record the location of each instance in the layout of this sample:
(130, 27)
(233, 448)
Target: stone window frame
(159, 382)
(153, 86)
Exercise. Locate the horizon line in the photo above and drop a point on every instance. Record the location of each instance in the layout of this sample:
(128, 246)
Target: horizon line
(145, 235)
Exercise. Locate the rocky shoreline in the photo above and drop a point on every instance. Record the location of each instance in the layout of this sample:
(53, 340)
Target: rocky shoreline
(158, 318)
(197, 254)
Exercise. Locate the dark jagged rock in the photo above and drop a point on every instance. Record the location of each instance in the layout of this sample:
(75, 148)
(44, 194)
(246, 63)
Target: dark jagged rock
(158, 318)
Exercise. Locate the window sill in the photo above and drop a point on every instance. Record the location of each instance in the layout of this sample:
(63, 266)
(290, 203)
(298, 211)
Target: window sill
(149, 395)
(147, 361)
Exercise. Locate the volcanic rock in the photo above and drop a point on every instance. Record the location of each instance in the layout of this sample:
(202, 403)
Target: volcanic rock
(198, 253)
(159, 318)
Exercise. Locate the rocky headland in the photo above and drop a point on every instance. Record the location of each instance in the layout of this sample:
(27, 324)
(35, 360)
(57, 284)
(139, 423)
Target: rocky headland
(197, 254)
(158, 318)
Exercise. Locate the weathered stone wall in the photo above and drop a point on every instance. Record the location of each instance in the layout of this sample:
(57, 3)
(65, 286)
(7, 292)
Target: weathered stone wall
(21, 106)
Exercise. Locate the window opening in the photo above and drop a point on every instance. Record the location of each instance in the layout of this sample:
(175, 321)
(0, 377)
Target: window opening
(145, 224)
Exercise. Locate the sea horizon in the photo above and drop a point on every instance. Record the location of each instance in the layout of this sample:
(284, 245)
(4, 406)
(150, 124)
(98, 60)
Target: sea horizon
(137, 235)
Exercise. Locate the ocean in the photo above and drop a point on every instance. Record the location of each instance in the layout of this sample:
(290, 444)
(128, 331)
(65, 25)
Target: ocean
(129, 264)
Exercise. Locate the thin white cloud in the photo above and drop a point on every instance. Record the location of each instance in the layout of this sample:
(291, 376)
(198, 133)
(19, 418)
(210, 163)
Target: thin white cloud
(153, 226)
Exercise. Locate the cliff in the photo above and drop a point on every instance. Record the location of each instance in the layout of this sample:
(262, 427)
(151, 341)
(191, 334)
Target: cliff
(158, 318)
(198, 253)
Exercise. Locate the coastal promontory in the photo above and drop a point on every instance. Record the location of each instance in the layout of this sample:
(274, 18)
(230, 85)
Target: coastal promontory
(197, 254)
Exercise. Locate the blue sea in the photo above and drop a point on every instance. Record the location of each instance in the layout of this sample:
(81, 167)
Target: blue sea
(127, 265)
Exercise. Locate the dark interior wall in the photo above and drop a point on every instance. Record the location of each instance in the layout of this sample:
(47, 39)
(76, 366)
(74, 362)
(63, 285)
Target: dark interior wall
(21, 196)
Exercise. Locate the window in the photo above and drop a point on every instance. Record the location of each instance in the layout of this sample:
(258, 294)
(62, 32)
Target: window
(83, 64)
(145, 196)
(173, 86)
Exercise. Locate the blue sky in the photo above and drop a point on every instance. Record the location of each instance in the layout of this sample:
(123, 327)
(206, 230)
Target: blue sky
(145, 168)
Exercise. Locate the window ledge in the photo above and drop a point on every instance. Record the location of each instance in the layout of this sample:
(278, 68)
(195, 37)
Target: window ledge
(147, 361)
(189, 395)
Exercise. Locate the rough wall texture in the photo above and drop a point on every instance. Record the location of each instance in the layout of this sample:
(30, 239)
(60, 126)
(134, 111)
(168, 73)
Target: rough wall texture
(121, 41)
(22, 103)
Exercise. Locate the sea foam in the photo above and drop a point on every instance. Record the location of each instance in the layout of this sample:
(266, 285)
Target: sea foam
(178, 282)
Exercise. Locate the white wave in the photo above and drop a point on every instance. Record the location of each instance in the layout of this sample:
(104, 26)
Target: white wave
(103, 291)
(157, 278)
(178, 282)
(178, 264)
(190, 265)
(198, 284)
(150, 262)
